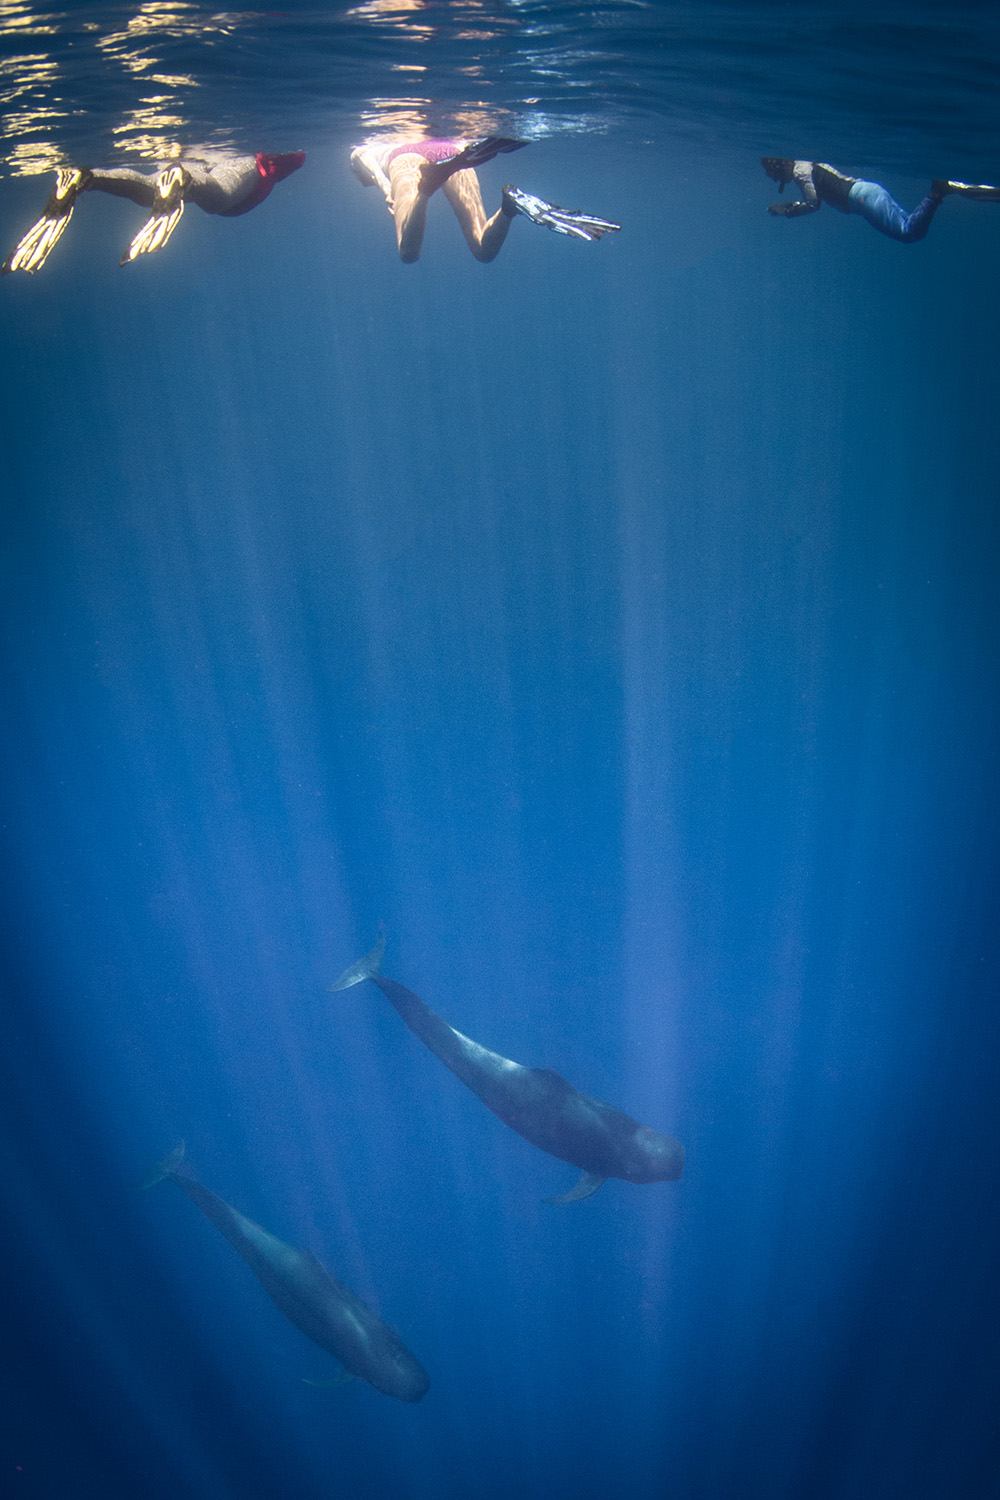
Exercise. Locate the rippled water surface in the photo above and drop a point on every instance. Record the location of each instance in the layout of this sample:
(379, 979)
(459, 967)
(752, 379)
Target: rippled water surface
(881, 84)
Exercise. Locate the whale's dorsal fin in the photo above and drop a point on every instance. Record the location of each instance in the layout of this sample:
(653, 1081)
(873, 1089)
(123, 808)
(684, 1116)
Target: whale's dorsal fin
(589, 1183)
(554, 1082)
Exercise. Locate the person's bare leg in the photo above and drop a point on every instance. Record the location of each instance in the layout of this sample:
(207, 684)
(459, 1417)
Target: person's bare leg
(483, 236)
(409, 204)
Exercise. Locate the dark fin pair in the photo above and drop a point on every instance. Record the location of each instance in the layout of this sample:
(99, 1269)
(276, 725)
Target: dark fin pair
(434, 173)
(34, 249)
(483, 150)
(551, 216)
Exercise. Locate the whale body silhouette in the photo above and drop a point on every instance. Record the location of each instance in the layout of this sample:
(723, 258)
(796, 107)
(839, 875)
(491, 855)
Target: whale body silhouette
(322, 1308)
(536, 1102)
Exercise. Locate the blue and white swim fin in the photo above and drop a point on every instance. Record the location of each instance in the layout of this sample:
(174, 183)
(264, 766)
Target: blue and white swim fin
(560, 220)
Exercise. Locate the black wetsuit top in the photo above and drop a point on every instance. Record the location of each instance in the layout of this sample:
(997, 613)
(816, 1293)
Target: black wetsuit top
(832, 186)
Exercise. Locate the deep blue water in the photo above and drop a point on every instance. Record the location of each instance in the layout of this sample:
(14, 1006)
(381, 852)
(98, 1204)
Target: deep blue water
(615, 624)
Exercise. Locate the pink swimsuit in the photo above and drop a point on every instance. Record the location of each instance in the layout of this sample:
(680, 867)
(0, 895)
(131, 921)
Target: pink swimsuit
(434, 151)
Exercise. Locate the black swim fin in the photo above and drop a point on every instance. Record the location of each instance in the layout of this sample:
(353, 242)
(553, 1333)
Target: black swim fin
(434, 173)
(551, 216)
(33, 250)
(483, 150)
(166, 215)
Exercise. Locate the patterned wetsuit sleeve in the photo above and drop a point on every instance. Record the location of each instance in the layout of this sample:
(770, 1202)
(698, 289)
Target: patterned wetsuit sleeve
(803, 179)
(802, 176)
(806, 186)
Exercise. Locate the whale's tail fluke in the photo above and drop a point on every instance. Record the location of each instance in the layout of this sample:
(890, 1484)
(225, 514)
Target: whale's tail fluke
(165, 1167)
(363, 968)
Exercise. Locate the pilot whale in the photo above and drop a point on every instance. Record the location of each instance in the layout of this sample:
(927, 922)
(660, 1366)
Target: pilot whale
(536, 1102)
(320, 1307)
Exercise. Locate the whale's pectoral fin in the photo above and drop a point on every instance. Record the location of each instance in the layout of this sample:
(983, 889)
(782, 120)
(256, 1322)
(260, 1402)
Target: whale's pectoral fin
(342, 1377)
(363, 968)
(165, 1167)
(589, 1183)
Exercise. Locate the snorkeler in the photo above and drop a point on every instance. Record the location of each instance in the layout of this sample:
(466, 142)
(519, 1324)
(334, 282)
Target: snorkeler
(819, 183)
(410, 171)
(217, 183)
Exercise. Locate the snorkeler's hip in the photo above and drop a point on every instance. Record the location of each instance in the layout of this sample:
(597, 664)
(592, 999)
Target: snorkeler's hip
(429, 150)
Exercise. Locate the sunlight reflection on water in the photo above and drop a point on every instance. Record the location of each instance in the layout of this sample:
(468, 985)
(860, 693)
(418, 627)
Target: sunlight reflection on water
(103, 83)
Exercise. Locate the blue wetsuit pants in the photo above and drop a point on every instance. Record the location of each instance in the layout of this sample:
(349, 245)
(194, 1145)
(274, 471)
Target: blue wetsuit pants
(872, 202)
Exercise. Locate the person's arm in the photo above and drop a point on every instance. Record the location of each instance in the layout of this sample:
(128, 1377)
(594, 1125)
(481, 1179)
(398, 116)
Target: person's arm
(367, 167)
(802, 177)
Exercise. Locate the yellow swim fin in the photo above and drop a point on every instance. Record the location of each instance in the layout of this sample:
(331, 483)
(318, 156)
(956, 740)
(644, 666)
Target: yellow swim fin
(166, 215)
(34, 249)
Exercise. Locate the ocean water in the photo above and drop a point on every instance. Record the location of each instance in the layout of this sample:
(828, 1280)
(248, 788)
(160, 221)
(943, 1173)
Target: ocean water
(615, 625)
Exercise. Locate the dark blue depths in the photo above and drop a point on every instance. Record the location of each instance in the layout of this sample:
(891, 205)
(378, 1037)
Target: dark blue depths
(616, 624)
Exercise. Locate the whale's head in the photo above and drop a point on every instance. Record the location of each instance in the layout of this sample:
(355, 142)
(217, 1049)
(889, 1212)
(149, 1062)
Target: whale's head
(399, 1374)
(653, 1157)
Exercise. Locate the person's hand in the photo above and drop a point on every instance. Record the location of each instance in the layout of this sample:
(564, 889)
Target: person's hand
(783, 210)
(361, 168)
